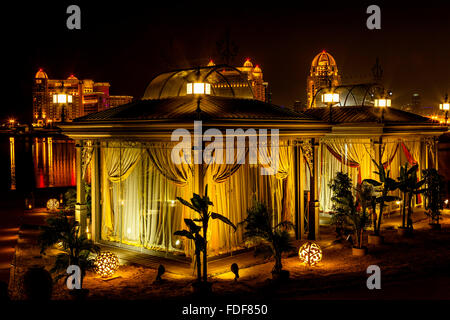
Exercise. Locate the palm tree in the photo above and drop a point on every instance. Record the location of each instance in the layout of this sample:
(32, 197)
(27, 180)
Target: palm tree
(433, 195)
(380, 196)
(76, 247)
(201, 204)
(409, 185)
(258, 225)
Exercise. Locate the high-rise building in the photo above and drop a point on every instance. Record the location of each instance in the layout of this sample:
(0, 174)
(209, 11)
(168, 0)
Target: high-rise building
(323, 73)
(64, 100)
(254, 75)
(255, 78)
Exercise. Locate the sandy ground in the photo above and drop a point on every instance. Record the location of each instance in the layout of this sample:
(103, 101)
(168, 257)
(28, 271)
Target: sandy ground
(415, 267)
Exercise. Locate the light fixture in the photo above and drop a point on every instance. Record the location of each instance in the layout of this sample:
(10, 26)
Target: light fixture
(310, 253)
(198, 88)
(330, 97)
(62, 98)
(382, 102)
(106, 264)
(445, 106)
(52, 204)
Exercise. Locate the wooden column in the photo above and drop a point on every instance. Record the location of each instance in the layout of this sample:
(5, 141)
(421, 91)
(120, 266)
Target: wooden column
(313, 217)
(80, 206)
(95, 193)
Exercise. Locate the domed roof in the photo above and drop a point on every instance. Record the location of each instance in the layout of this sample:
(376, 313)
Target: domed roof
(72, 77)
(41, 74)
(211, 63)
(257, 69)
(248, 63)
(323, 59)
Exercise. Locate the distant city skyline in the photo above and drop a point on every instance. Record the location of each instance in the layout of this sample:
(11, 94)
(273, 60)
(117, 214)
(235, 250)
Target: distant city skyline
(129, 45)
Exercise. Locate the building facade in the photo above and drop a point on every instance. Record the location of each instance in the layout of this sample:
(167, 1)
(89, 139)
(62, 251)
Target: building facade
(323, 73)
(56, 100)
(254, 75)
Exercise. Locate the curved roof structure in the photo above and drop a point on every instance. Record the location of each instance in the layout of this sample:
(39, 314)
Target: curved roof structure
(226, 81)
(41, 74)
(187, 108)
(368, 114)
(323, 59)
(72, 77)
(352, 95)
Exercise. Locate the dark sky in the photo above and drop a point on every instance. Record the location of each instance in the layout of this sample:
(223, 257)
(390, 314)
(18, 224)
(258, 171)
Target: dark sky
(128, 43)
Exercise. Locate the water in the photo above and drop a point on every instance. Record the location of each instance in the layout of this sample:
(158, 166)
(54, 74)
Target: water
(36, 165)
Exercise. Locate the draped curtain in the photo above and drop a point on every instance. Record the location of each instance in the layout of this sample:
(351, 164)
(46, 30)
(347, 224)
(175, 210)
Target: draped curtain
(139, 190)
(352, 156)
(140, 185)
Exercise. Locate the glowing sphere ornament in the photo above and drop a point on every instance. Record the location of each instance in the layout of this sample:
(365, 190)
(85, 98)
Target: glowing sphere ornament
(106, 263)
(310, 253)
(53, 204)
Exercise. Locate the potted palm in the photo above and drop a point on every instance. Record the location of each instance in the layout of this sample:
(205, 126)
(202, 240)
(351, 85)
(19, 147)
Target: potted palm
(77, 249)
(201, 204)
(434, 185)
(340, 187)
(354, 212)
(380, 197)
(409, 185)
(258, 226)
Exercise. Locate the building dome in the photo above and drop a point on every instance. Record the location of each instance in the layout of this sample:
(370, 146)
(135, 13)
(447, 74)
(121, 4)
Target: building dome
(257, 69)
(41, 74)
(248, 63)
(72, 77)
(323, 59)
(211, 63)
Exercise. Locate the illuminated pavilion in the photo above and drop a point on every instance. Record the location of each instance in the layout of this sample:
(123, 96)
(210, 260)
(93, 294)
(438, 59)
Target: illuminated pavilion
(134, 183)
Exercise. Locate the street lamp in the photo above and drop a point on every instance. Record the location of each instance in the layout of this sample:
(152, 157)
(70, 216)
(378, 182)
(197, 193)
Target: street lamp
(329, 99)
(196, 88)
(62, 99)
(445, 106)
(382, 103)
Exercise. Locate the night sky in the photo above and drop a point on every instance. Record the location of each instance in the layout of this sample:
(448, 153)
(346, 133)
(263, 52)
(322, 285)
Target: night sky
(128, 43)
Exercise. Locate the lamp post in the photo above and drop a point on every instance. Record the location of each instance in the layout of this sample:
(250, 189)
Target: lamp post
(62, 99)
(382, 103)
(445, 106)
(329, 99)
(199, 89)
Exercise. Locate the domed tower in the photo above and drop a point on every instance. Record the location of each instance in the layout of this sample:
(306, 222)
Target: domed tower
(323, 73)
(40, 95)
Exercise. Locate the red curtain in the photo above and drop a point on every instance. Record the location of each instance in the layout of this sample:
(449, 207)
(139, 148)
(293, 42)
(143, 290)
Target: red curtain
(351, 164)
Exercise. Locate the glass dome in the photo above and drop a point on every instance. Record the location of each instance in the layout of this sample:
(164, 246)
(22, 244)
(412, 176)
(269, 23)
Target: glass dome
(352, 95)
(225, 81)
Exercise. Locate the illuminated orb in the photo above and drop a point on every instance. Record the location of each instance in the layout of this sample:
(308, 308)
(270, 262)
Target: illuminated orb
(53, 204)
(106, 263)
(310, 253)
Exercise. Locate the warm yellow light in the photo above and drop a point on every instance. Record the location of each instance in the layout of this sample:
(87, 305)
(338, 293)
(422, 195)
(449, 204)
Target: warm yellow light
(62, 98)
(310, 253)
(330, 97)
(12, 121)
(198, 88)
(382, 102)
(106, 264)
(444, 106)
